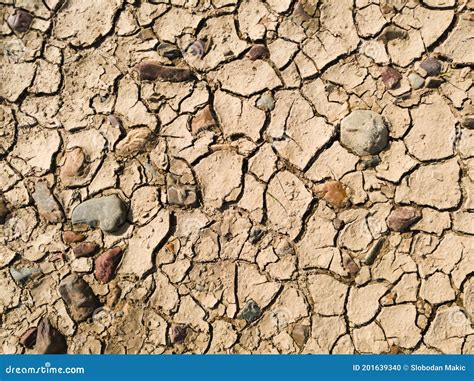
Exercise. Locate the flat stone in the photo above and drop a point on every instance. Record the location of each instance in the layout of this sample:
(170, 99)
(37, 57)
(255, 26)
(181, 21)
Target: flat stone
(258, 52)
(48, 339)
(78, 297)
(47, 205)
(21, 275)
(106, 264)
(73, 237)
(265, 102)
(334, 192)
(86, 249)
(364, 132)
(28, 339)
(220, 177)
(416, 81)
(108, 213)
(151, 71)
(431, 66)
(435, 185)
(250, 312)
(400, 219)
(391, 77)
(20, 21)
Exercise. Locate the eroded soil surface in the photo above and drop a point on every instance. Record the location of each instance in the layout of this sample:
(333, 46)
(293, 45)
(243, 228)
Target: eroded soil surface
(236, 176)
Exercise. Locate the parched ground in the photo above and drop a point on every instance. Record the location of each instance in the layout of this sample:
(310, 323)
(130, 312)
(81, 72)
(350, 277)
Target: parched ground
(236, 176)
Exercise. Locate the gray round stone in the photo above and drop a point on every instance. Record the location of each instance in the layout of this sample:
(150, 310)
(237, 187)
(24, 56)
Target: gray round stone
(364, 132)
(108, 213)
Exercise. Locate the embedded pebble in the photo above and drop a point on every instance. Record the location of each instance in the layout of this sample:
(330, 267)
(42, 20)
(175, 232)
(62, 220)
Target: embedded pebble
(169, 51)
(150, 71)
(48, 339)
(85, 249)
(250, 312)
(106, 264)
(108, 213)
(78, 297)
(28, 339)
(431, 66)
(266, 102)
(258, 52)
(374, 251)
(400, 219)
(73, 237)
(391, 77)
(416, 81)
(258, 200)
(364, 132)
(334, 192)
(20, 21)
(22, 275)
(47, 205)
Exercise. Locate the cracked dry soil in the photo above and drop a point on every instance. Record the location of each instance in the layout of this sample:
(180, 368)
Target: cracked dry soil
(236, 176)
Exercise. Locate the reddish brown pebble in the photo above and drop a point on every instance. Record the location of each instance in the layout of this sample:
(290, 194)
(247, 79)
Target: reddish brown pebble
(258, 52)
(72, 237)
(86, 249)
(28, 339)
(149, 71)
(333, 192)
(402, 218)
(203, 120)
(106, 264)
(20, 21)
(391, 77)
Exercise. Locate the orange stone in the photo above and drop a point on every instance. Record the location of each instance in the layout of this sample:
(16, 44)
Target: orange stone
(334, 192)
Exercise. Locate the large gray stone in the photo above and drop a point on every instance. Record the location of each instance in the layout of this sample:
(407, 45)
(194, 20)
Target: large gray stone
(108, 213)
(364, 132)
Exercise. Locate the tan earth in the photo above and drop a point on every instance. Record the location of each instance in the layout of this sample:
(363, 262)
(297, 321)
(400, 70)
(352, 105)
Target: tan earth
(225, 176)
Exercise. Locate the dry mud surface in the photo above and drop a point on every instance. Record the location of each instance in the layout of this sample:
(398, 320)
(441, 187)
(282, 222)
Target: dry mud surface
(236, 176)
